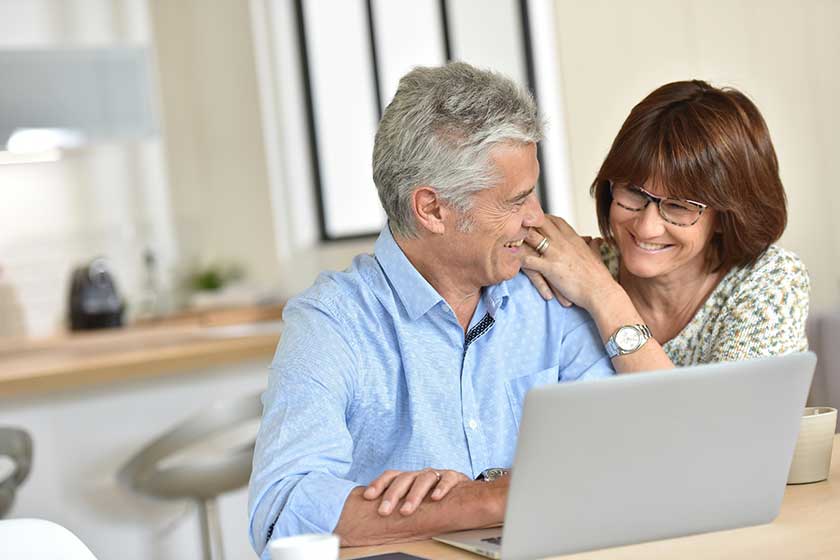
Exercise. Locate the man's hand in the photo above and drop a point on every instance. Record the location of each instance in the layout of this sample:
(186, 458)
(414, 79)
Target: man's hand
(413, 487)
(468, 505)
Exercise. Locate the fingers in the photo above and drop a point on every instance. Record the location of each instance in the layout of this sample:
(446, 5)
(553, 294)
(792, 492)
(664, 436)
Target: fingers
(411, 488)
(423, 484)
(534, 238)
(533, 263)
(561, 224)
(534, 268)
(375, 488)
(448, 481)
(395, 492)
(539, 283)
(561, 299)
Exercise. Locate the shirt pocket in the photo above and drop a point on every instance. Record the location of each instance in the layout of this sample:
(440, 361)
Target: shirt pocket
(517, 387)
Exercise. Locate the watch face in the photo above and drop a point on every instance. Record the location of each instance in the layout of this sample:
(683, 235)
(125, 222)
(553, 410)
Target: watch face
(628, 338)
(493, 473)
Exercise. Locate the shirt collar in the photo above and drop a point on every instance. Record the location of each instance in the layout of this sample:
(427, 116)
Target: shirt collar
(495, 297)
(416, 294)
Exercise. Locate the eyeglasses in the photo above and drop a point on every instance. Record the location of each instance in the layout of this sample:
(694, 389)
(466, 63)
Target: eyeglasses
(675, 211)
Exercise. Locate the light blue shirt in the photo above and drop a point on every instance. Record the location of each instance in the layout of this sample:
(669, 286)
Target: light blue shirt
(373, 372)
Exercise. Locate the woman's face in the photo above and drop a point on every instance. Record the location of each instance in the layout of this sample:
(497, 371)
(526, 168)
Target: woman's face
(652, 248)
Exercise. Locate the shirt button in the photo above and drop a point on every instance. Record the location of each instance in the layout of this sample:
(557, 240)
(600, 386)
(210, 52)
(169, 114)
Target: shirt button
(473, 424)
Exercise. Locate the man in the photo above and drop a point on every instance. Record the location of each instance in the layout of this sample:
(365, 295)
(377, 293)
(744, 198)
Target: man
(410, 368)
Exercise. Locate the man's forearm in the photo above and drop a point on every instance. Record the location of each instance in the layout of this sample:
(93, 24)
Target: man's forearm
(467, 506)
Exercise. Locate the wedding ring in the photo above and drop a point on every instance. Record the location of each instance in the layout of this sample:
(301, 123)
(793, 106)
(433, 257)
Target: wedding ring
(542, 246)
(437, 474)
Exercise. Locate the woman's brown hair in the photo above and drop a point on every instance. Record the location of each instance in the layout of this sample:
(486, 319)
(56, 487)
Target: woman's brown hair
(706, 144)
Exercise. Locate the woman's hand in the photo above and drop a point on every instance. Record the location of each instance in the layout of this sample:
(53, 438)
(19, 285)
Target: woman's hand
(570, 268)
(411, 487)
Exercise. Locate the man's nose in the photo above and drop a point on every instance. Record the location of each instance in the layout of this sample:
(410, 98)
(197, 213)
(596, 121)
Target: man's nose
(534, 215)
(649, 222)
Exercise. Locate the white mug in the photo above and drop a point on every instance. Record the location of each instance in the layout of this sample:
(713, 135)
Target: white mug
(812, 456)
(305, 547)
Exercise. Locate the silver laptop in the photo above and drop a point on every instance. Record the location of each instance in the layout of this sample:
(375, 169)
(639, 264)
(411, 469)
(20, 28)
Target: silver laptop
(649, 456)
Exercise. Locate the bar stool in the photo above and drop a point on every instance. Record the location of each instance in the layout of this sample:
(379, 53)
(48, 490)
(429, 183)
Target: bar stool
(15, 463)
(203, 457)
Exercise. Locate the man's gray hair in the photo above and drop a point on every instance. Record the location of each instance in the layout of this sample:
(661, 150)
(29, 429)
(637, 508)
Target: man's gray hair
(439, 130)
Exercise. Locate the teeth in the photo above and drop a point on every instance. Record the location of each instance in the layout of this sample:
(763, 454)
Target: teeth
(650, 246)
(515, 243)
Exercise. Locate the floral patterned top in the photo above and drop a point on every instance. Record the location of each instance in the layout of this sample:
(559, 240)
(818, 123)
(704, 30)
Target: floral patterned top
(756, 310)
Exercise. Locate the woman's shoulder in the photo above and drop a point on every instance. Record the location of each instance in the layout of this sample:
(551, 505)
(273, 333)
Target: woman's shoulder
(757, 310)
(774, 267)
(610, 257)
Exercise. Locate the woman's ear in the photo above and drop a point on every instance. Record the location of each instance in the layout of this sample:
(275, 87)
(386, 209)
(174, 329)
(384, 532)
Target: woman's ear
(429, 210)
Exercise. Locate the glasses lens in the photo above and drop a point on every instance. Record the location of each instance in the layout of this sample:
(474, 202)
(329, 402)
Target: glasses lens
(679, 211)
(628, 196)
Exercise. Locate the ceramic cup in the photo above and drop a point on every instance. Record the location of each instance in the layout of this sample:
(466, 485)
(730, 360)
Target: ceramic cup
(305, 547)
(812, 456)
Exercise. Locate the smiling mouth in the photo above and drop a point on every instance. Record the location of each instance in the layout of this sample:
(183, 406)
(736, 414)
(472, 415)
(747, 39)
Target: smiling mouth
(515, 244)
(650, 247)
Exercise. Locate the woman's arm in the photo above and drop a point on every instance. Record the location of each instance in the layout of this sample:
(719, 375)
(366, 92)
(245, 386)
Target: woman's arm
(575, 273)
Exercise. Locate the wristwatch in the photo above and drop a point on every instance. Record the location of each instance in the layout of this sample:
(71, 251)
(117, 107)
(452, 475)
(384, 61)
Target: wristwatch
(627, 339)
(491, 474)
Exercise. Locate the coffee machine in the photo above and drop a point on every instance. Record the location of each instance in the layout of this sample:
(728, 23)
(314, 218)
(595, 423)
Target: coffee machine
(94, 300)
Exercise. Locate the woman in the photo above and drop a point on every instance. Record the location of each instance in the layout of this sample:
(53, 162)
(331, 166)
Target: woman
(689, 203)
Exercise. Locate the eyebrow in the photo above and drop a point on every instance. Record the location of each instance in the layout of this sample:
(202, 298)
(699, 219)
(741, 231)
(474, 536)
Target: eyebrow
(522, 196)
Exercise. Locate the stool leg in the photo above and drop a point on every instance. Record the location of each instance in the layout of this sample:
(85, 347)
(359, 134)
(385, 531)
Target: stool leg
(211, 529)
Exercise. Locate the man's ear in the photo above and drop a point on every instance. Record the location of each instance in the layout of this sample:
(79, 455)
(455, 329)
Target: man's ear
(429, 210)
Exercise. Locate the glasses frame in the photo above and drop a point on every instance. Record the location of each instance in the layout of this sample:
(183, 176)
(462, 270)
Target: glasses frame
(658, 201)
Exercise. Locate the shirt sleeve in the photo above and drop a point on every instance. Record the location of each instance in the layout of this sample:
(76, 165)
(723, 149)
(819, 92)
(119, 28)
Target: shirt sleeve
(767, 314)
(304, 448)
(582, 353)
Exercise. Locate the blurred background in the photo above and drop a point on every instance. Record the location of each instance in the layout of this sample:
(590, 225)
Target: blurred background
(215, 169)
(216, 154)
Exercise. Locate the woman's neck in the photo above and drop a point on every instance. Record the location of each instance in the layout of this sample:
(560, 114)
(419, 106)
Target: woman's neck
(668, 303)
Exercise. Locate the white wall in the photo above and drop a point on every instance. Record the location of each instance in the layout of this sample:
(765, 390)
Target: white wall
(782, 54)
(105, 199)
(211, 121)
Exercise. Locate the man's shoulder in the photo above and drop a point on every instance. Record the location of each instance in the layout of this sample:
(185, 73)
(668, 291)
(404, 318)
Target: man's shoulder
(527, 301)
(340, 292)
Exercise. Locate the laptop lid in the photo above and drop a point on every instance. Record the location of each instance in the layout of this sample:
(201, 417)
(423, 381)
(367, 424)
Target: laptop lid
(650, 456)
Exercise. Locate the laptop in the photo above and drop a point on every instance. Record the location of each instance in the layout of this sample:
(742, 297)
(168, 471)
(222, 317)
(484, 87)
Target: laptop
(648, 456)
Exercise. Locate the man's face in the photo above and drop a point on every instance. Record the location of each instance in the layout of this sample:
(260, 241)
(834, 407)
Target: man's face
(490, 251)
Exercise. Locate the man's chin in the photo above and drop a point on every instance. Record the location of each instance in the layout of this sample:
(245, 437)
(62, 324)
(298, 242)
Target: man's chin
(509, 275)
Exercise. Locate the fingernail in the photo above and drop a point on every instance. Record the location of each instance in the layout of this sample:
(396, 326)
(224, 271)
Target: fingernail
(406, 508)
(385, 507)
(436, 493)
(369, 492)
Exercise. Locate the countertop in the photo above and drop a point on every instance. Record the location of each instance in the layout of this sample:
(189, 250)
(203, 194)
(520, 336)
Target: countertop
(70, 361)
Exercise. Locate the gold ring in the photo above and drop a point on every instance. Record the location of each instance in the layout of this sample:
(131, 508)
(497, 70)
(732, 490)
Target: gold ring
(437, 474)
(542, 246)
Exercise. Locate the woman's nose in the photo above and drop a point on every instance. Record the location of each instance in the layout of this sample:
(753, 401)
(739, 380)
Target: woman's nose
(649, 222)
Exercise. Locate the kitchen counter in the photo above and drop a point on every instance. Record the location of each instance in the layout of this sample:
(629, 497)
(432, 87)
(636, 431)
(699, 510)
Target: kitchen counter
(70, 361)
